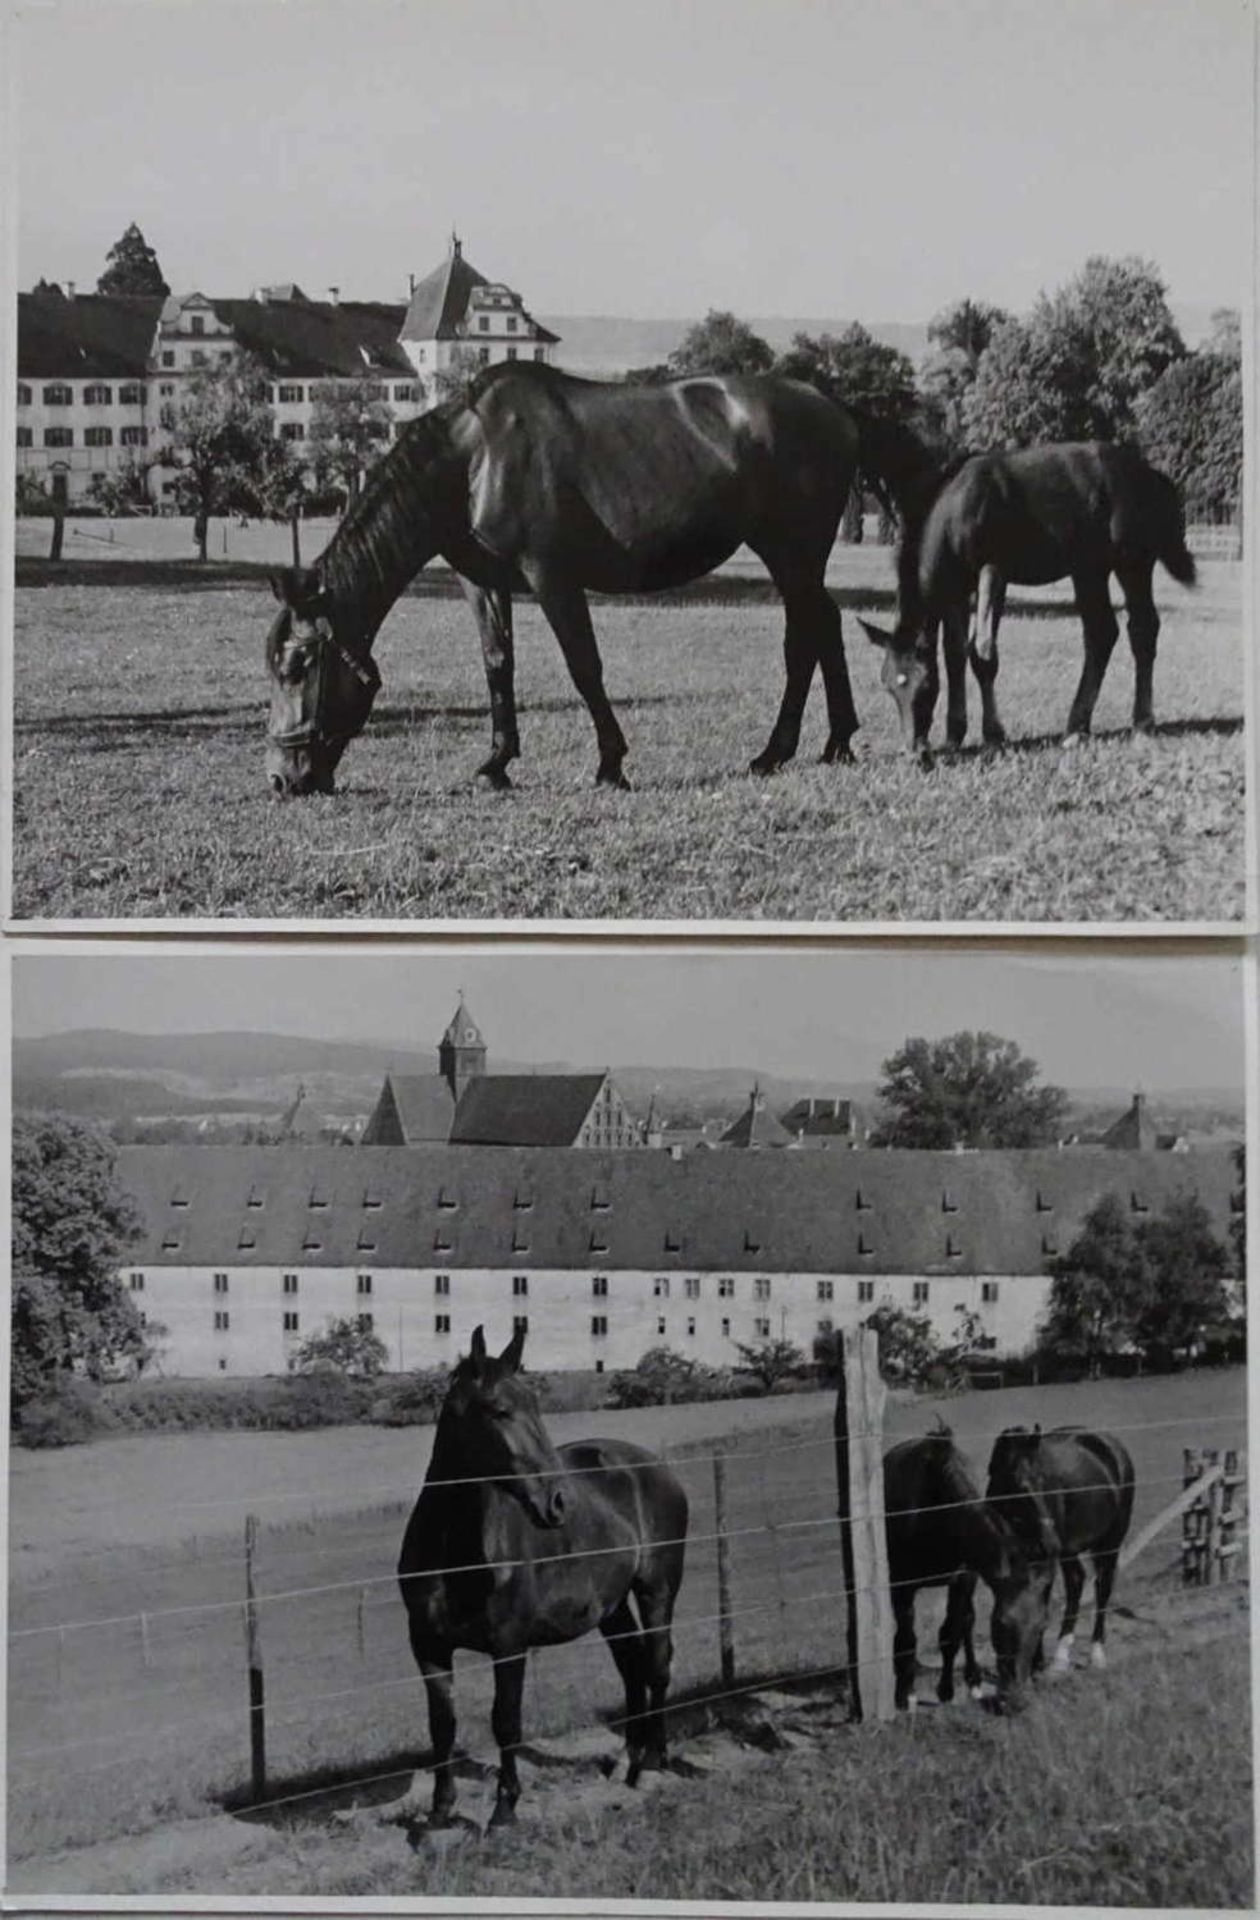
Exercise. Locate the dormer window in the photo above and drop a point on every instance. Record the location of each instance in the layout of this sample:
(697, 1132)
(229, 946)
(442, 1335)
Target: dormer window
(371, 1201)
(257, 1197)
(247, 1239)
(180, 1197)
(600, 1201)
(1044, 1205)
(522, 1202)
(862, 1204)
(446, 1201)
(1137, 1204)
(752, 1241)
(948, 1203)
(319, 1197)
(673, 1240)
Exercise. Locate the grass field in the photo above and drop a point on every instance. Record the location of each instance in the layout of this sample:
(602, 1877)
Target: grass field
(123, 1728)
(140, 705)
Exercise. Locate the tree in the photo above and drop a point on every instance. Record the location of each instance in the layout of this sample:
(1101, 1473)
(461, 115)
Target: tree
(1185, 1296)
(454, 381)
(72, 1222)
(345, 1346)
(280, 487)
(856, 368)
(1225, 338)
(350, 422)
(960, 334)
(1031, 384)
(1097, 1287)
(122, 490)
(133, 266)
(221, 432)
(770, 1361)
(1238, 1220)
(967, 1090)
(1190, 424)
(720, 344)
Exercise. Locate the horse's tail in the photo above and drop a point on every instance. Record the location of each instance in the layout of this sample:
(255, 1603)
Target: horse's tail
(1179, 561)
(1171, 548)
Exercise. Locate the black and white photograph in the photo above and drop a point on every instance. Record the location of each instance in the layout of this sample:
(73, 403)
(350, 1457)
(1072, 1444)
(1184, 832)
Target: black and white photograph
(685, 463)
(724, 1425)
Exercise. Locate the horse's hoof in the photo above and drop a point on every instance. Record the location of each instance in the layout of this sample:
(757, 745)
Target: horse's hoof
(995, 736)
(1098, 1657)
(1077, 739)
(613, 777)
(493, 777)
(504, 1815)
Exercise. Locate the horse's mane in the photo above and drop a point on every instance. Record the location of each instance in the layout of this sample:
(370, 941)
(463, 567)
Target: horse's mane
(370, 557)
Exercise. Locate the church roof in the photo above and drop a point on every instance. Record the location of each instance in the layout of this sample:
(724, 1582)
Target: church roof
(524, 1109)
(886, 1212)
(463, 1030)
(1135, 1128)
(756, 1126)
(414, 1110)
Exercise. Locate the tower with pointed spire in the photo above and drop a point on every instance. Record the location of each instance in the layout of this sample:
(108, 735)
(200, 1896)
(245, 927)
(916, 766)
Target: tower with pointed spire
(461, 1051)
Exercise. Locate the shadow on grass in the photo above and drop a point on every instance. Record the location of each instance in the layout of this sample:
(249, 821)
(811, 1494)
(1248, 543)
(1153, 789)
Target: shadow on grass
(1219, 727)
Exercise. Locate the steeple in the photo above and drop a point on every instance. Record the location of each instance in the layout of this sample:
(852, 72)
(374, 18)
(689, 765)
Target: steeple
(461, 1050)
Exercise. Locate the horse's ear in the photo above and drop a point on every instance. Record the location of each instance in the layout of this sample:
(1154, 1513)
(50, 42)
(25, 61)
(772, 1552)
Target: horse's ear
(876, 635)
(477, 1352)
(297, 587)
(511, 1354)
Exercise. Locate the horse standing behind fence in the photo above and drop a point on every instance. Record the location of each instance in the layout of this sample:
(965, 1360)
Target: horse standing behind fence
(1041, 514)
(514, 1543)
(1067, 1493)
(539, 481)
(941, 1534)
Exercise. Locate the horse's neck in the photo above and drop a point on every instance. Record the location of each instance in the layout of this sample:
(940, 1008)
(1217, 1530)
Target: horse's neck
(391, 530)
(450, 1504)
(987, 1542)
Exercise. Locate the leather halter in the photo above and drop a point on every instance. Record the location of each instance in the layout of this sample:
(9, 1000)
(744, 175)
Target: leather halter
(311, 732)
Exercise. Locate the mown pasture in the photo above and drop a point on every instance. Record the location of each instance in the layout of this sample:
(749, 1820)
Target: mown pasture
(139, 791)
(121, 1728)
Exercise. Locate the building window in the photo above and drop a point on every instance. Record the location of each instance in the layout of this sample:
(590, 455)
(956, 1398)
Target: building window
(197, 358)
(483, 354)
(919, 1293)
(826, 1289)
(134, 436)
(442, 1242)
(23, 394)
(691, 1287)
(511, 325)
(166, 391)
(441, 1323)
(290, 1321)
(762, 1329)
(522, 1202)
(404, 393)
(691, 1325)
(599, 1286)
(660, 1287)
(948, 1202)
(168, 359)
(58, 437)
(288, 1283)
(222, 1365)
(483, 324)
(761, 1288)
(25, 438)
(292, 430)
(540, 353)
(132, 394)
(866, 1290)
(58, 396)
(98, 437)
(726, 1329)
(136, 1282)
(989, 1292)
(290, 396)
(660, 1323)
(1136, 1202)
(511, 353)
(751, 1243)
(442, 1283)
(520, 1323)
(726, 1289)
(226, 355)
(673, 1240)
(520, 1240)
(953, 1251)
(864, 1245)
(166, 419)
(256, 1198)
(364, 1322)
(97, 396)
(826, 1326)
(221, 1320)
(197, 323)
(599, 1326)
(363, 1283)
(220, 1283)
(861, 1203)
(599, 1240)
(520, 1285)
(1044, 1205)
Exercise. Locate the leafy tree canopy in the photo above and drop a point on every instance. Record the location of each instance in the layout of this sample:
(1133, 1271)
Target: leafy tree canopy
(221, 435)
(966, 327)
(1190, 424)
(345, 1346)
(855, 367)
(350, 423)
(1185, 1296)
(966, 1090)
(132, 266)
(720, 343)
(72, 1222)
(770, 1361)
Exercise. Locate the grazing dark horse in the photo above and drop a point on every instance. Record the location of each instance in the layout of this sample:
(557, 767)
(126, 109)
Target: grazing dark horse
(1067, 1493)
(515, 1544)
(941, 1534)
(1046, 513)
(539, 481)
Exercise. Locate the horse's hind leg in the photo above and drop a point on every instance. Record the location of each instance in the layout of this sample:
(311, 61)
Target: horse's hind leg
(569, 618)
(990, 602)
(1073, 1586)
(954, 629)
(1143, 623)
(1101, 628)
(905, 1647)
(800, 657)
(435, 1664)
(505, 1718)
(625, 1643)
(957, 1630)
(656, 1612)
(1105, 1562)
(492, 610)
(842, 720)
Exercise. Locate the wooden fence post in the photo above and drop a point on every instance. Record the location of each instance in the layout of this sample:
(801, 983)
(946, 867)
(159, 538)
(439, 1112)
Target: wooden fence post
(253, 1650)
(859, 1428)
(1227, 1550)
(726, 1630)
(1191, 1521)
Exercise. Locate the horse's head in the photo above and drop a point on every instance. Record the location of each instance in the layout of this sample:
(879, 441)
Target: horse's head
(910, 674)
(491, 1414)
(321, 689)
(1021, 1597)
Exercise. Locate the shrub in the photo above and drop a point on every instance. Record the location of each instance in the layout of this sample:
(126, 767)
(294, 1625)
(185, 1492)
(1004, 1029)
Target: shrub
(663, 1376)
(71, 1412)
(413, 1401)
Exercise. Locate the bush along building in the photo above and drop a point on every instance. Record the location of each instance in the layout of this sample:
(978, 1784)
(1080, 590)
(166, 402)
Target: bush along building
(604, 1252)
(99, 376)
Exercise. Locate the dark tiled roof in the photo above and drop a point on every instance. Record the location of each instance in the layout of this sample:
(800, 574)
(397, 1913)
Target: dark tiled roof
(439, 301)
(414, 1110)
(811, 1117)
(319, 338)
(1133, 1129)
(409, 1207)
(524, 1109)
(756, 1127)
(93, 336)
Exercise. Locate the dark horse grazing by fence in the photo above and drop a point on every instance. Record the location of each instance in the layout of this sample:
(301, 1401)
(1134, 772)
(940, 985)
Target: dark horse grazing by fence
(1085, 511)
(561, 486)
(1067, 1493)
(514, 1543)
(941, 1534)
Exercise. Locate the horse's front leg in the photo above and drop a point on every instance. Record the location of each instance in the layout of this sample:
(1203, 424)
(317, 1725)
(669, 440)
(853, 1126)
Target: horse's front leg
(953, 628)
(800, 657)
(990, 602)
(492, 610)
(1098, 619)
(905, 1647)
(567, 614)
(1073, 1586)
(509, 1684)
(435, 1662)
(1143, 622)
(958, 1630)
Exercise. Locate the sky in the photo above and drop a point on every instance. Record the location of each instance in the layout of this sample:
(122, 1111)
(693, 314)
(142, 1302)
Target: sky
(1145, 1019)
(870, 159)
